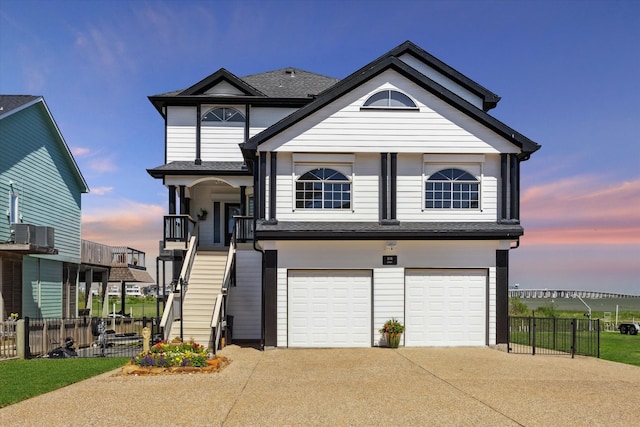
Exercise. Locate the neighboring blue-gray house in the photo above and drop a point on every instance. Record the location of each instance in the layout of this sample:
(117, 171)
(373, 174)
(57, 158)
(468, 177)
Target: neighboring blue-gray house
(40, 212)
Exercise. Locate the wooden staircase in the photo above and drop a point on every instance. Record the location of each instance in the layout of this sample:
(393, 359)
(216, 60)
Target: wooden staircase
(205, 284)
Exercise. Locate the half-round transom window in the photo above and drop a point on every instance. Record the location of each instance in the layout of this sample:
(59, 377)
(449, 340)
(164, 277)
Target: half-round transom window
(452, 189)
(323, 188)
(223, 115)
(389, 99)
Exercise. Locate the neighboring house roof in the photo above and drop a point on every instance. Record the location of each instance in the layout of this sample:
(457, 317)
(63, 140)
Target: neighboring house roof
(384, 63)
(13, 104)
(285, 87)
(206, 168)
(294, 230)
(9, 103)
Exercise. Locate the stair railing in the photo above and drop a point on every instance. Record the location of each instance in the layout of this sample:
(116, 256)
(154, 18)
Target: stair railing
(173, 308)
(219, 318)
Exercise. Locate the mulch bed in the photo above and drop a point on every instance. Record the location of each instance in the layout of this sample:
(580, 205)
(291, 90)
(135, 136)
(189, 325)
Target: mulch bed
(213, 365)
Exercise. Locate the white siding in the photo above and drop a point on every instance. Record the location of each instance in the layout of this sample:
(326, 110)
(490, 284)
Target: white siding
(364, 189)
(261, 118)
(441, 79)
(388, 298)
(410, 198)
(224, 88)
(181, 134)
(343, 127)
(245, 301)
(220, 143)
(388, 281)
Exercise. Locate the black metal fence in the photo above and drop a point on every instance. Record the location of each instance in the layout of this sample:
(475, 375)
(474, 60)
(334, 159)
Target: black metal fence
(560, 336)
(89, 337)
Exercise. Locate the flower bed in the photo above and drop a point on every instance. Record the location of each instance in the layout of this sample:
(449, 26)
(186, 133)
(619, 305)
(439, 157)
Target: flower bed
(175, 357)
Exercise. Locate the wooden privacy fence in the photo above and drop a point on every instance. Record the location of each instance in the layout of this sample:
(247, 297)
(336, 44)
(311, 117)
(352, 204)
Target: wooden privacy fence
(561, 336)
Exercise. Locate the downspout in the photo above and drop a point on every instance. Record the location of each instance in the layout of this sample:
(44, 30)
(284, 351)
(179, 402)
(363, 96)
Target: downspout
(257, 199)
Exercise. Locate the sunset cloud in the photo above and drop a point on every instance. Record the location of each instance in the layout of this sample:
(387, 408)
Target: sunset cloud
(125, 223)
(580, 210)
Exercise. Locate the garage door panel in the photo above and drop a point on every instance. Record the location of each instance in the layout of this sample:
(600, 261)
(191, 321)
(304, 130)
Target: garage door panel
(339, 302)
(445, 307)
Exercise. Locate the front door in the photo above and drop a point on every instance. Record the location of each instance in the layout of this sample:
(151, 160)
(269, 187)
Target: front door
(230, 210)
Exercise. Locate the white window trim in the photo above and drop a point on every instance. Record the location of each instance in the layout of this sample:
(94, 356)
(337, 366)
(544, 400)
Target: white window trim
(471, 163)
(303, 163)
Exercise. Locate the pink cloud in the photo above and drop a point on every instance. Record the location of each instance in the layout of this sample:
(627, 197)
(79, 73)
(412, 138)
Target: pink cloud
(125, 223)
(581, 210)
(80, 151)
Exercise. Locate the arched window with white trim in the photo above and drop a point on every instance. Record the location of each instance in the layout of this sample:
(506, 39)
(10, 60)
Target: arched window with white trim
(452, 189)
(223, 116)
(389, 99)
(323, 188)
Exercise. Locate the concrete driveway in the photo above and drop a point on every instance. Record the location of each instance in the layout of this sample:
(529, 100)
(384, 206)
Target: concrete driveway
(372, 387)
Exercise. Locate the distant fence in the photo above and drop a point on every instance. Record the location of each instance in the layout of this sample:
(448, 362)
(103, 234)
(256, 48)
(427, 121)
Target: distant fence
(560, 336)
(8, 339)
(32, 338)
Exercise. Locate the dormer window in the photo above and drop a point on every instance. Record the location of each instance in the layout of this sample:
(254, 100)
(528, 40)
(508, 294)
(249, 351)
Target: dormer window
(223, 115)
(386, 99)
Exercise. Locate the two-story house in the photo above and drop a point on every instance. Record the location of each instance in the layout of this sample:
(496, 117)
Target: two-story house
(389, 193)
(40, 205)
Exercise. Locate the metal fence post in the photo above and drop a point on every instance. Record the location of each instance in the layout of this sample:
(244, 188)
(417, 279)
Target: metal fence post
(573, 337)
(533, 334)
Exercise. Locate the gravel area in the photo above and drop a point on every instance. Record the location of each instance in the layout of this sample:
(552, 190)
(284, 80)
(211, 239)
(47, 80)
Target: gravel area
(373, 386)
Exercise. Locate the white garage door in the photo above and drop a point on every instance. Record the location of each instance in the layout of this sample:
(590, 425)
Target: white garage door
(329, 308)
(446, 307)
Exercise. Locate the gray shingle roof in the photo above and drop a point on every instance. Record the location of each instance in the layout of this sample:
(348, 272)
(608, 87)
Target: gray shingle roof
(290, 83)
(373, 230)
(11, 102)
(206, 168)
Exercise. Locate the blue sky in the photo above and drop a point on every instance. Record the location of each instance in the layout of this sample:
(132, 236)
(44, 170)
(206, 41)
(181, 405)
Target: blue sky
(568, 73)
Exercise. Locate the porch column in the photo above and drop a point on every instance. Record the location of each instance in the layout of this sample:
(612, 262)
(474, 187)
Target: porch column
(243, 200)
(515, 188)
(262, 168)
(88, 283)
(183, 204)
(504, 179)
(272, 186)
(269, 298)
(383, 185)
(172, 200)
(105, 298)
(198, 160)
(502, 297)
(393, 185)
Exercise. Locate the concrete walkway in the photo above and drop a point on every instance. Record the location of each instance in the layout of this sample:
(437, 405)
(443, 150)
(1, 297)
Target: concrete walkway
(369, 387)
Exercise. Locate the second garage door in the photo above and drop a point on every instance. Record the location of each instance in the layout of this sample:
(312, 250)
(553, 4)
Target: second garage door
(329, 308)
(446, 308)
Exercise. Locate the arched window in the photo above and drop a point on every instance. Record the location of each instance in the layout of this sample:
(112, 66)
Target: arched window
(225, 115)
(323, 188)
(389, 99)
(452, 189)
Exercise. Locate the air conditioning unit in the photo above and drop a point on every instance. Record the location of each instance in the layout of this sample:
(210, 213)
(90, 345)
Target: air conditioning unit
(24, 234)
(45, 236)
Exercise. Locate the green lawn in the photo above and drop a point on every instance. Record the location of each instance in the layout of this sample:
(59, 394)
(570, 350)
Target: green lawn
(22, 379)
(138, 306)
(620, 348)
